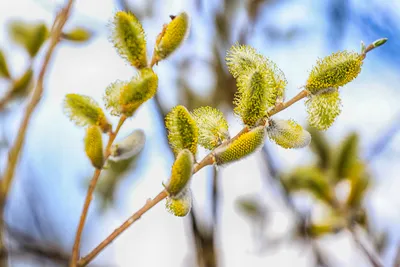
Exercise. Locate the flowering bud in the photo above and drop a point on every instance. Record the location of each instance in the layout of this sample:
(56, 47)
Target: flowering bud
(181, 172)
(129, 39)
(181, 205)
(213, 128)
(323, 109)
(127, 97)
(288, 134)
(83, 110)
(241, 58)
(334, 71)
(77, 34)
(243, 146)
(172, 36)
(94, 146)
(182, 130)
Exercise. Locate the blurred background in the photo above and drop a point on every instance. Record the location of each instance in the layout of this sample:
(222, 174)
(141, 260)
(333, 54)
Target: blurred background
(252, 213)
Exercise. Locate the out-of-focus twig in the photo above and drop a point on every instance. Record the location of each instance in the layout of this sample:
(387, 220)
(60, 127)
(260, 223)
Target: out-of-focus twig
(15, 150)
(373, 259)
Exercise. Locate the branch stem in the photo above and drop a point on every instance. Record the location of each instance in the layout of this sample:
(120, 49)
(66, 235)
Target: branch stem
(89, 195)
(207, 160)
(149, 204)
(279, 108)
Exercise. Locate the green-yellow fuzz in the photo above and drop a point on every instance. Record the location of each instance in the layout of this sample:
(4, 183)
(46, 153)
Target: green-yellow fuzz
(241, 58)
(30, 36)
(127, 97)
(243, 146)
(183, 132)
(129, 39)
(288, 133)
(323, 109)
(213, 128)
(334, 71)
(261, 84)
(182, 170)
(180, 206)
(252, 97)
(83, 110)
(172, 36)
(94, 146)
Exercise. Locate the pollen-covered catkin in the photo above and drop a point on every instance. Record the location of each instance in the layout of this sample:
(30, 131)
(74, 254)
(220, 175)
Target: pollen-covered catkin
(213, 128)
(83, 110)
(243, 146)
(128, 37)
(172, 36)
(334, 71)
(323, 109)
(180, 206)
(183, 132)
(126, 97)
(182, 170)
(288, 133)
(94, 146)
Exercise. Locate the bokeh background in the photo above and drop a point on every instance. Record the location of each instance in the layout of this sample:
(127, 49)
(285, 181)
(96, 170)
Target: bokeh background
(240, 215)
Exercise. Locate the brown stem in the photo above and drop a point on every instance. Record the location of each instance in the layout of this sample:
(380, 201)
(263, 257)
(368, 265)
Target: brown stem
(6, 98)
(15, 150)
(279, 108)
(89, 195)
(207, 160)
(373, 259)
(149, 204)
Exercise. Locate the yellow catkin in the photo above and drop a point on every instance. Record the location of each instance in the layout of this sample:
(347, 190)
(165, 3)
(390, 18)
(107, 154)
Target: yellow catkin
(323, 109)
(243, 146)
(83, 110)
(213, 128)
(129, 39)
(126, 97)
(180, 206)
(183, 132)
(252, 98)
(288, 133)
(334, 71)
(94, 146)
(172, 36)
(181, 172)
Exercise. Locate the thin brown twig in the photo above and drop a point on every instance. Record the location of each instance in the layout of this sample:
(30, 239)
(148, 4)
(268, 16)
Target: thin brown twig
(279, 108)
(373, 259)
(15, 150)
(149, 204)
(207, 160)
(89, 195)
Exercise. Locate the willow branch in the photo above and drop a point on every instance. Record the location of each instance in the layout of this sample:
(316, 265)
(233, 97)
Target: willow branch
(149, 204)
(15, 150)
(89, 195)
(373, 259)
(279, 108)
(206, 161)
